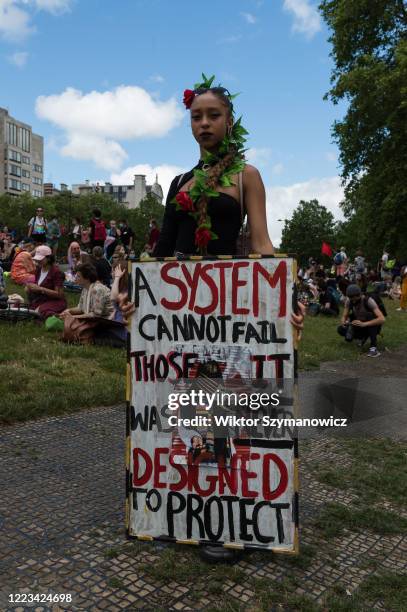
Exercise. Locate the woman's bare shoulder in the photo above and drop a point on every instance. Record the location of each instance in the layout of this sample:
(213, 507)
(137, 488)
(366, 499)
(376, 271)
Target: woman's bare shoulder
(250, 172)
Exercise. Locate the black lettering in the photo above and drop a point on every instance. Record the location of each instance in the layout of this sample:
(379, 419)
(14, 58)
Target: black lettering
(162, 328)
(251, 332)
(209, 518)
(259, 537)
(229, 499)
(135, 500)
(158, 500)
(142, 286)
(212, 334)
(178, 327)
(193, 513)
(195, 331)
(245, 522)
(140, 327)
(171, 510)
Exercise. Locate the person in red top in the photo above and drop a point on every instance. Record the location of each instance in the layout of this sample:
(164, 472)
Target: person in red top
(46, 294)
(98, 231)
(154, 234)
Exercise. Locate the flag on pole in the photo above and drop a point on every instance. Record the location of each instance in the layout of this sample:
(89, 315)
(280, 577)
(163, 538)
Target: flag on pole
(326, 249)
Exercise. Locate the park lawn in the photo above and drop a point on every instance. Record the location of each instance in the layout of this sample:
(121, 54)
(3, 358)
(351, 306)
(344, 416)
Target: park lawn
(41, 376)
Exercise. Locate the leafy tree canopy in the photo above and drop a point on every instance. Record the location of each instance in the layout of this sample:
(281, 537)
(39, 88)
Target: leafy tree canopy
(310, 225)
(369, 50)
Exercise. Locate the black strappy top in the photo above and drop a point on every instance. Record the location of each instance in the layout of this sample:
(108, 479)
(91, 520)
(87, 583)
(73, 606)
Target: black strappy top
(178, 229)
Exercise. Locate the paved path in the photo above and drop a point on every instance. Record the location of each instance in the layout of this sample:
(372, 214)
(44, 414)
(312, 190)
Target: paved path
(62, 498)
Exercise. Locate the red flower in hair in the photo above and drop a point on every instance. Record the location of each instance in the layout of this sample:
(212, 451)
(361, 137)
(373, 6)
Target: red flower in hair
(202, 236)
(189, 96)
(184, 201)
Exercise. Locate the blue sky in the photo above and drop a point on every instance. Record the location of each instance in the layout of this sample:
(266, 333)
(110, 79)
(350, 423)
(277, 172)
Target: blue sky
(102, 81)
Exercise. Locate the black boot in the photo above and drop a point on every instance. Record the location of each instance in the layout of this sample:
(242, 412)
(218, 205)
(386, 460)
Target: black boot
(219, 554)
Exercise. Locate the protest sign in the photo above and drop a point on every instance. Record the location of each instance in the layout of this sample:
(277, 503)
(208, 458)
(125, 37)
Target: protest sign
(211, 377)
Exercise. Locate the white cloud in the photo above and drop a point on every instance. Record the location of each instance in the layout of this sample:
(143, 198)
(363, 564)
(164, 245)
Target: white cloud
(157, 78)
(259, 156)
(249, 18)
(277, 169)
(15, 15)
(19, 58)
(165, 174)
(101, 151)
(55, 7)
(282, 201)
(14, 22)
(94, 122)
(306, 18)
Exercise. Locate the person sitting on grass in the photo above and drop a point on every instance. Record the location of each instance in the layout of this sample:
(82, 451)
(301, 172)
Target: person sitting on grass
(46, 294)
(395, 290)
(361, 319)
(95, 303)
(75, 257)
(327, 300)
(23, 266)
(103, 267)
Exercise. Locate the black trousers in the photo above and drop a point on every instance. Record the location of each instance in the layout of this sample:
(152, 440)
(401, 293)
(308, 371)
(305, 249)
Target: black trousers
(362, 333)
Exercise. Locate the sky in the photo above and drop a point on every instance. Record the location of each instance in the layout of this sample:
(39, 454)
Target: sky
(102, 81)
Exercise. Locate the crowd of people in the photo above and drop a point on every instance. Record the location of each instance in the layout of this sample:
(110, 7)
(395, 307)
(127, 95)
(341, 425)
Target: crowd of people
(95, 265)
(357, 288)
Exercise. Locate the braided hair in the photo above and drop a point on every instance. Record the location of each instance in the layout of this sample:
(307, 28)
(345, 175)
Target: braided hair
(216, 171)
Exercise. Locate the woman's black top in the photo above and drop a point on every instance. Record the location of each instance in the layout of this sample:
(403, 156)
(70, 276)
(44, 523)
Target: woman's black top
(178, 228)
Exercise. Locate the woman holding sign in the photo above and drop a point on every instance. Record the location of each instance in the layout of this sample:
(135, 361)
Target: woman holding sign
(206, 207)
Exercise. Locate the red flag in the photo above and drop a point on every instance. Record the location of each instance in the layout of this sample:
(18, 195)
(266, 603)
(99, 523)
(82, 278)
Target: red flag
(326, 249)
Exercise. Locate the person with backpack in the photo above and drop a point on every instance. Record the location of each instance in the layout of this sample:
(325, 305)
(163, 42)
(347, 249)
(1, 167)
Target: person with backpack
(98, 231)
(341, 262)
(37, 227)
(362, 318)
(360, 263)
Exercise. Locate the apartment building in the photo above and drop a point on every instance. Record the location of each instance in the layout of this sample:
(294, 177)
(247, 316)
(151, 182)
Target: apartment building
(130, 195)
(21, 157)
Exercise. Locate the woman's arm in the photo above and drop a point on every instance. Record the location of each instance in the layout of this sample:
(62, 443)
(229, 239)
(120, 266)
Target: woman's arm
(117, 275)
(255, 202)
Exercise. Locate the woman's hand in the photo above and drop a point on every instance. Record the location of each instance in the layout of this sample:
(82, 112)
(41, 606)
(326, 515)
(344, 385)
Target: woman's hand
(64, 313)
(118, 272)
(127, 308)
(297, 320)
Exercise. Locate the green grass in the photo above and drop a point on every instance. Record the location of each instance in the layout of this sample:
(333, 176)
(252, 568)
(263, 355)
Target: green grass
(321, 342)
(40, 376)
(378, 471)
(334, 518)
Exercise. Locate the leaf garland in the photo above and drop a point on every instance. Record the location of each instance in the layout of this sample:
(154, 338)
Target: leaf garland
(234, 141)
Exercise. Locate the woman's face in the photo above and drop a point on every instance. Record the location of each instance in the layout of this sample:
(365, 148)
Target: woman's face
(210, 120)
(75, 251)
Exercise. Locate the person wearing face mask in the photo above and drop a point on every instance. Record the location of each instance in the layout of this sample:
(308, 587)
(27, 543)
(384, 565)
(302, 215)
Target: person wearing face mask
(362, 319)
(126, 235)
(112, 239)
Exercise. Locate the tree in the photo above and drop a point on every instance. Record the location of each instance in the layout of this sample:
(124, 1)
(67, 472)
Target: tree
(369, 50)
(310, 225)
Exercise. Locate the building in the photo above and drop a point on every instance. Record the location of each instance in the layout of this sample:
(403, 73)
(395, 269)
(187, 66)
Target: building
(50, 189)
(21, 157)
(130, 195)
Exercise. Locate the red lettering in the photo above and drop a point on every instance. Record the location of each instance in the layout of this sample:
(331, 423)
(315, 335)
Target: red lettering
(246, 475)
(172, 280)
(139, 481)
(236, 283)
(228, 478)
(178, 486)
(280, 275)
(222, 266)
(282, 485)
(214, 291)
(158, 468)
